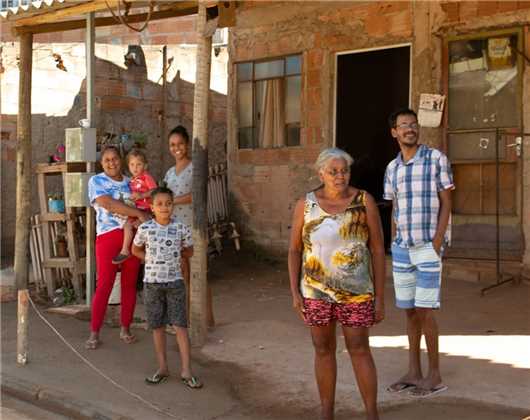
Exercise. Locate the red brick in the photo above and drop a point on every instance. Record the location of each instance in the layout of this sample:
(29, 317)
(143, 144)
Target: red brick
(400, 24)
(468, 10)
(245, 157)
(451, 10)
(314, 59)
(376, 25)
(507, 6)
(313, 78)
(523, 4)
(487, 8)
(313, 98)
(313, 118)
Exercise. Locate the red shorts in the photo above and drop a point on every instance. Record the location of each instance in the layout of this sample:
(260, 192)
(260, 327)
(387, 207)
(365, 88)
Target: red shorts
(319, 313)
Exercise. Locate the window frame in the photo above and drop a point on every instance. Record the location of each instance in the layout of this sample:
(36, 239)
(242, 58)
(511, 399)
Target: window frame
(253, 82)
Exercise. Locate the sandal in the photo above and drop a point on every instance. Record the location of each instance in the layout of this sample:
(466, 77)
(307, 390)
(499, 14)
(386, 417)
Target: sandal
(92, 344)
(191, 382)
(157, 378)
(118, 259)
(128, 338)
(398, 387)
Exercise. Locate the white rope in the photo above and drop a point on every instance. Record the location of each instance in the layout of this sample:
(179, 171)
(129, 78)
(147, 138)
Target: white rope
(90, 364)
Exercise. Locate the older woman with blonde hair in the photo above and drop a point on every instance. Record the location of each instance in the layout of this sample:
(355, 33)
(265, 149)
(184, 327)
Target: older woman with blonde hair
(337, 272)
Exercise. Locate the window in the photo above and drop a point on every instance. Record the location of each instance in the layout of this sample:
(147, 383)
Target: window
(268, 94)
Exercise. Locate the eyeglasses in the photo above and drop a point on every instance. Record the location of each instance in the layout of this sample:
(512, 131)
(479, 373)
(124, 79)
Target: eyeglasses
(404, 126)
(334, 173)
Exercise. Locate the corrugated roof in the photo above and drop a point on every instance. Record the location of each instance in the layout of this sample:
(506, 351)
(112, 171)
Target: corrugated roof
(38, 7)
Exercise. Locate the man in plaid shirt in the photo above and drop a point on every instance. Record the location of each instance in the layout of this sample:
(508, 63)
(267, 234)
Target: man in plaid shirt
(419, 183)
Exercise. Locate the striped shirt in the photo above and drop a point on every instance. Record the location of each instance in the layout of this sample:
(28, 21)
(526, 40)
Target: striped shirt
(414, 186)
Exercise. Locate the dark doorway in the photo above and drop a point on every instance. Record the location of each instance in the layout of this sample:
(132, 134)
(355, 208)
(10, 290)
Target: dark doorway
(370, 86)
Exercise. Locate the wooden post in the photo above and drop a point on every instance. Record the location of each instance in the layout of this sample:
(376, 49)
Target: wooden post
(198, 312)
(90, 228)
(23, 192)
(22, 327)
(163, 110)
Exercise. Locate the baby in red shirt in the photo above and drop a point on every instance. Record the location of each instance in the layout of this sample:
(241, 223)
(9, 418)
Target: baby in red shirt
(141, 185)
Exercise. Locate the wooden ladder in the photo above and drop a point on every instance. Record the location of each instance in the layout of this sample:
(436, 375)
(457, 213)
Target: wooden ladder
(73, 262)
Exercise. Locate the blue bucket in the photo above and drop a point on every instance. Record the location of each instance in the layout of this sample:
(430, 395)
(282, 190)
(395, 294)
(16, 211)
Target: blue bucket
(56, 206)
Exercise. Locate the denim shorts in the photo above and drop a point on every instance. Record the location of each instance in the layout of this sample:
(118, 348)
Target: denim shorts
(165, 303)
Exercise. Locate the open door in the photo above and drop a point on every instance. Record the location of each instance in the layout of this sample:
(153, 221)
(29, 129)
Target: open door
(370, 86)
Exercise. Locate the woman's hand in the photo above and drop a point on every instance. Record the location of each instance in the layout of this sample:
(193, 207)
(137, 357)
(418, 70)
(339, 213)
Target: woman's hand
(298, 304)
(143, 216)
(136, 196)
(379, 310)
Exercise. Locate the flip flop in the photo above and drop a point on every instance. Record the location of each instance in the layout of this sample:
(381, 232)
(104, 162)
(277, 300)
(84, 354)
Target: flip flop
(128, 338)
(118, 259)
(191, 382)
(156, 378)
(92, 344)
(424, 393)
(398, 387)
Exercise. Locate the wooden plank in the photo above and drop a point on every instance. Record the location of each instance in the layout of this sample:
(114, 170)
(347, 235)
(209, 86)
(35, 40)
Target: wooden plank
(63, 262)
(22, 327)
(64, 13)
(182, 10)
(60, 167)
(54, 217)
(35, 262)
(24, 175)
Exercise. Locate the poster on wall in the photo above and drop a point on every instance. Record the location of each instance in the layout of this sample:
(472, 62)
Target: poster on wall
(431, 109)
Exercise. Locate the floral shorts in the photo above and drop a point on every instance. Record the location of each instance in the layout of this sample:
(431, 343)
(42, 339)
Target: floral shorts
(319, 313)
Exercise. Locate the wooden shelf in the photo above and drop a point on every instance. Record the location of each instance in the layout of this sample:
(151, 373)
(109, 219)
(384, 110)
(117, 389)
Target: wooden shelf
(60, 167)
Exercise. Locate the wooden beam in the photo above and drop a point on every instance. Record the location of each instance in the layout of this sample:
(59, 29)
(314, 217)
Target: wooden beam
(199, 262)
(23, 188)
(102, 21)
(64, 13)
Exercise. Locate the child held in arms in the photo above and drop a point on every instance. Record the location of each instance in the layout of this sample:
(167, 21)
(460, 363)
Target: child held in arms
(141, 185)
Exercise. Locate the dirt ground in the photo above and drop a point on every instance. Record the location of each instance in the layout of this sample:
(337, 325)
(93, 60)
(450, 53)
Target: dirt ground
(258, 331)
(258, 361)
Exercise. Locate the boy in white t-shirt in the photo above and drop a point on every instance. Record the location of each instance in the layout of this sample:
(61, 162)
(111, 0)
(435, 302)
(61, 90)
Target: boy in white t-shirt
(162, 242)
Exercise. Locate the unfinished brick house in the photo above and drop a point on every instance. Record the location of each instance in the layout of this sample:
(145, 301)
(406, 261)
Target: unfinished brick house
(308, 75)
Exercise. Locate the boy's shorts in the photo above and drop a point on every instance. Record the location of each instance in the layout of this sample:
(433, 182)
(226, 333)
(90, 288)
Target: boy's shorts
(165, 303)
(320, 313)
(417, 275)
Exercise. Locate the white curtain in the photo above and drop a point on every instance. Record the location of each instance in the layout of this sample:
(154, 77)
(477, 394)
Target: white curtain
(272, 122)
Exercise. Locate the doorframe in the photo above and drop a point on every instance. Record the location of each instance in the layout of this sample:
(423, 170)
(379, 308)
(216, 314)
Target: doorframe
(363, 50)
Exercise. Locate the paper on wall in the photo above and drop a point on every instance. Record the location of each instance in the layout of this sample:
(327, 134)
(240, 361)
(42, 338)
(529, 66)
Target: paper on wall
(431, 109)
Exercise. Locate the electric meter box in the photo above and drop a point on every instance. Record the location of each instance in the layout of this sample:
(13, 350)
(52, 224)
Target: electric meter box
(80, 144)
(76, 189)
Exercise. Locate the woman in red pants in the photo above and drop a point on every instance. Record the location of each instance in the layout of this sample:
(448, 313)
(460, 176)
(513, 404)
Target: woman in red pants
(107, 192)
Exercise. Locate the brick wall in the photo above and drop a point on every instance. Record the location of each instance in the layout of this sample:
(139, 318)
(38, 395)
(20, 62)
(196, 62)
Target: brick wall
(318, 30)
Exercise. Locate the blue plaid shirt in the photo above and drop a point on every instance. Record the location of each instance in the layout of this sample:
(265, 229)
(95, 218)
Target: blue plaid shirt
(413, 186)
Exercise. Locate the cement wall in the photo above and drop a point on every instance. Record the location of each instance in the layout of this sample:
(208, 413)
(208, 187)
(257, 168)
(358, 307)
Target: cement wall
(128, 98)
(319, 30)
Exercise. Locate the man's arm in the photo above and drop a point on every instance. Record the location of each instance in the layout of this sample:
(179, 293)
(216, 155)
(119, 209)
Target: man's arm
(443, 219)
